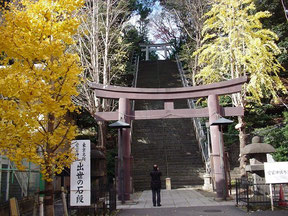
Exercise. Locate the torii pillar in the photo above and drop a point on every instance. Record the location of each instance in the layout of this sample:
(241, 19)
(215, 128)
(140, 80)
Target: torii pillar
(124, 147)
(219, 170)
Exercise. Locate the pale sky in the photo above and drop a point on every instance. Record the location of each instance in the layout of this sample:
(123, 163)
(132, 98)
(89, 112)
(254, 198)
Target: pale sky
(157, 9)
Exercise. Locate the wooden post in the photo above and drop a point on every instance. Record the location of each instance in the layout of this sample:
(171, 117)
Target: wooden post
(36, 204)
(217, 148)
(14, 209)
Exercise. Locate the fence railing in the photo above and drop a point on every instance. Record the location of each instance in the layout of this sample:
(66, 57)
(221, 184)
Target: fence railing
(200, 134)
(22, 178)
(251, 194)
(17, 183)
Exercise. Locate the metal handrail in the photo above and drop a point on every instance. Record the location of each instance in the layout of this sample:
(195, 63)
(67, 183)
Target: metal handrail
(134, 83)
(136, 68)
(200, 134)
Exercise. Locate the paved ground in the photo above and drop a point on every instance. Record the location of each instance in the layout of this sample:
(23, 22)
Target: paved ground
(185, 202)
(173, 198)
(197, 211)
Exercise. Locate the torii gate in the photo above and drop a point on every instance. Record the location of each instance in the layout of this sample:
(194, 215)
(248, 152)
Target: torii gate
(213, 111)
(158, 47)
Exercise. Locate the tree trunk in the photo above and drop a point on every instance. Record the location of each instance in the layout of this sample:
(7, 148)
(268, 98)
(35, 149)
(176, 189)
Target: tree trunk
(242, 140)
(49, 199)
(102, 135)
(106, 46)
(49, 189)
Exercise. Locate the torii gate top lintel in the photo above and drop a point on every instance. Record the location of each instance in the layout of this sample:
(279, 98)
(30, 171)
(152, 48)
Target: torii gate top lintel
(159, 46)
(220, 88)
(124, 94)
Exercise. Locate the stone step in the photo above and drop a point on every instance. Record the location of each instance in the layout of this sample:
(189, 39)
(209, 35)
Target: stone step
(170, 143)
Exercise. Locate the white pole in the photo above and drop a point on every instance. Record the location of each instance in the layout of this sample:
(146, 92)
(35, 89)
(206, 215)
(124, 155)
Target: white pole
(147, 53)
(165, 52)
(8, 181)
(41, 206)
(64, 201)
(271, 197)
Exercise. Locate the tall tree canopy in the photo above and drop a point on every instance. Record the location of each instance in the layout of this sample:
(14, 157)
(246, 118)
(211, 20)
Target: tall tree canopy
(236, 44)
(189, 16)
(103, 52)
(277, 22)
(39, 75)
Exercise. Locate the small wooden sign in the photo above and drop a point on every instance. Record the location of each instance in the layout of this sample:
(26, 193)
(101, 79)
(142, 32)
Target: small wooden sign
(14, 209)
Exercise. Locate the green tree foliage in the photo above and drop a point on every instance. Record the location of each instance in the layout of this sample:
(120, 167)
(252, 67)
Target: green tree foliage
(277, 136)
(276, 22)
(143, 9)
(235, 44)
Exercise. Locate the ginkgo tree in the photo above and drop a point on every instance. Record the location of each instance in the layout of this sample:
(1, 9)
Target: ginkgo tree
(234, 45)
(38, 76)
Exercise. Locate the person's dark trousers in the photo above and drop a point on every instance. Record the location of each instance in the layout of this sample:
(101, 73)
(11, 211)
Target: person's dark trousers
(156, 193)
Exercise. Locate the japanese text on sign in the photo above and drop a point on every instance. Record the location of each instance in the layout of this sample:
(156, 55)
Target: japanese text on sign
(276, 172)
(80, 174)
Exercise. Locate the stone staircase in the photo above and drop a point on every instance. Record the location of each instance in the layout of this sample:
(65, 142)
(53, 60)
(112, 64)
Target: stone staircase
(170, 143)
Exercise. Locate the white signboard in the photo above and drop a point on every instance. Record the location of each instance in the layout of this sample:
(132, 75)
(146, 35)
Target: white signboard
(276, 172)
(80, 184)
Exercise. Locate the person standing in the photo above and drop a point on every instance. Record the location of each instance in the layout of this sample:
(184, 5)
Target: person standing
(156, 185)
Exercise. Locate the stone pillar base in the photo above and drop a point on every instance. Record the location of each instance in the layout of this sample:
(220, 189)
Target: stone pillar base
(207, 182)
(168, 184)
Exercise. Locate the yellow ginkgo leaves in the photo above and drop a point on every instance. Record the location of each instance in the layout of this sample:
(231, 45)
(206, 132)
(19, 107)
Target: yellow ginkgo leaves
(38, 76)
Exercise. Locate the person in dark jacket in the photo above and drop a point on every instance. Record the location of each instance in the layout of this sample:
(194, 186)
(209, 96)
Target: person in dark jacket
(156, 185)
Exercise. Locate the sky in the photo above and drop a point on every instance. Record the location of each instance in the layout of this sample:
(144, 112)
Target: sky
(157, 9)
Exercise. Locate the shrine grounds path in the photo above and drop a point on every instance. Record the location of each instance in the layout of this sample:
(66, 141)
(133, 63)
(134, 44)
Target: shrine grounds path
(186, 202)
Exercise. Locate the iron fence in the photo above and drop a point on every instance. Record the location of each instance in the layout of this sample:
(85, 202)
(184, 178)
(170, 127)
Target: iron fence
(255, 194)
(18, 184)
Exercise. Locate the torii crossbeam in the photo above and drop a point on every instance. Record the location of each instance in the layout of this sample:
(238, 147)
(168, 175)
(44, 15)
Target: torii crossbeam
(168, 95)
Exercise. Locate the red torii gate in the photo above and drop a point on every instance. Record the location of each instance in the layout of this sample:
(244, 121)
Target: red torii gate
(213, 111)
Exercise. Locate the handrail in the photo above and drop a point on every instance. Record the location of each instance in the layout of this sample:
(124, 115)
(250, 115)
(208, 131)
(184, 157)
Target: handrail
(134, 83)
(200, 135)
(136, 68)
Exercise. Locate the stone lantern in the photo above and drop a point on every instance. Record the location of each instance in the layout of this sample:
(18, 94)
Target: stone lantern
(257, 153)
